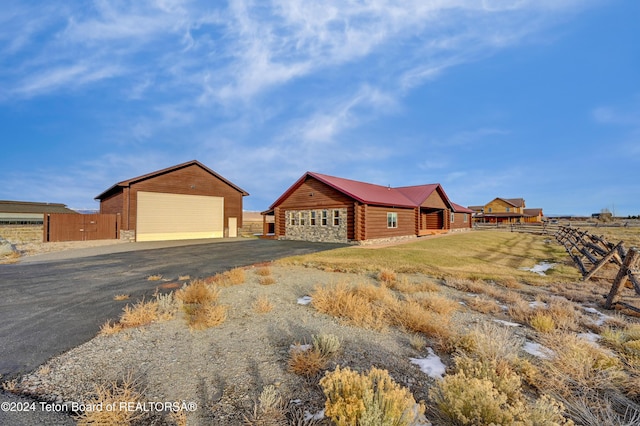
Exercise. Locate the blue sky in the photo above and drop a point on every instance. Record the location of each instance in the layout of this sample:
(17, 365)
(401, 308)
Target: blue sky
(538, 99)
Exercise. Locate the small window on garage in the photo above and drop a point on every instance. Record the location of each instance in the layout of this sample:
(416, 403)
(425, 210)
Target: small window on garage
(466, 216)
(336, 218)
(392, 220)
(453, 217)
(312, 218)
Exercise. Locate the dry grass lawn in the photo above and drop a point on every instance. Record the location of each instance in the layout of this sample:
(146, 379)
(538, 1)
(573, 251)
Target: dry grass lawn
(496, 256)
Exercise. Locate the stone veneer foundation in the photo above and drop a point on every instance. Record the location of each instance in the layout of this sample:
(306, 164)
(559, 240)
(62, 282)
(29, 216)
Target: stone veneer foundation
(329, 233)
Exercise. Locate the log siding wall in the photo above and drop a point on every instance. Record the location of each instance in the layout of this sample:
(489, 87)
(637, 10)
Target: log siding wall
(376, 221)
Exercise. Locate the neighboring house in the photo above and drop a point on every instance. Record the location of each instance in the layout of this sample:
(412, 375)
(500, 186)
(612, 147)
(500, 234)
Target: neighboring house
(28, 213)
(319, 207)
(186, 201)
(509, 210)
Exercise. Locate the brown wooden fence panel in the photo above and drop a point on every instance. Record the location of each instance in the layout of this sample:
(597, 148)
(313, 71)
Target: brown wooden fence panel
(80, 227)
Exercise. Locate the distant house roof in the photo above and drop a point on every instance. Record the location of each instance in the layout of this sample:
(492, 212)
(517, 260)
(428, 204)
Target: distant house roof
(368, 193)
(32, 207)
(532, 212)
(515, 202)
(126, 183)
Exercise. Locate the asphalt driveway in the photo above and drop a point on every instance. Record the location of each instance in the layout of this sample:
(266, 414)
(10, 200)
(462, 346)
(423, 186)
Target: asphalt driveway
(50, 306)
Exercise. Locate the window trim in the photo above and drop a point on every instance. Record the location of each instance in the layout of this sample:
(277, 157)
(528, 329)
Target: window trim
(336, 217)
(312, 218)
(392, 220)
(324, 218)
(302, 220)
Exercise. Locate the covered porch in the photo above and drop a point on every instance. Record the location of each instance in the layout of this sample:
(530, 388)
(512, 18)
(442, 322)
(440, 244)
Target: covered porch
(432, 221)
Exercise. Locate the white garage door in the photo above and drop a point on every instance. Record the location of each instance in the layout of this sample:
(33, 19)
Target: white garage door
(178, 217)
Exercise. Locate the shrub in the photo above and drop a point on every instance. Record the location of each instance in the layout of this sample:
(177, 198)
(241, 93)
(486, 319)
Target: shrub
(417, 341)
(326, 344)
(113, 393)
(197, 292)
(578, 366)
(467, 400)
(413, 317)
(235, 276)
(167, 305)
(403, 285)
(483, 304)
(484, 392)
(269, 410)
(262, 305)
(142, 313)
(205, 316)
(387, 276)
(306, 362)
(368, 399)
(439, 304)
(353, 304)
(266, 280)
(109, 328)
(199, 303)
(542, 322)
(264, 271)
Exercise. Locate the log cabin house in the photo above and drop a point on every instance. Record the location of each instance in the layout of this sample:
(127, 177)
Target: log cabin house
(506, 210)
(319, 207)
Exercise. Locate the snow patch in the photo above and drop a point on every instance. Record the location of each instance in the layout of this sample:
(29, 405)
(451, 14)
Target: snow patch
(507, 323)
(432, 365)
(540, 268)
(536, 349)
(304, 300)
(601, 317)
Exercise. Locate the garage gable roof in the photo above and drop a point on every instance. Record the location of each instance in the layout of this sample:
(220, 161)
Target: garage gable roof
(368, 193)
(129, 182)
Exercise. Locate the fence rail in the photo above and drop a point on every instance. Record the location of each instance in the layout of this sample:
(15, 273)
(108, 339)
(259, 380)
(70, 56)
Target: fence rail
(591, 253)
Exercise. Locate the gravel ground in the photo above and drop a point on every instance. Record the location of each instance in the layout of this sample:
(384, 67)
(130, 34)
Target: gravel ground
(222, 370)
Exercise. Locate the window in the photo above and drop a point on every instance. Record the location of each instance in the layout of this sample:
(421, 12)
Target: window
(302, 218)
(336, 218)
(392, 220)
(507, 209)
(465, 216)
(490, 209)
(325, 217)
(453, 219)
(292, 218)
(312, 218)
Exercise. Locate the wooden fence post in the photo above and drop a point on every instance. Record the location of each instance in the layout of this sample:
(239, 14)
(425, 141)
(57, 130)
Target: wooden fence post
(623, 275)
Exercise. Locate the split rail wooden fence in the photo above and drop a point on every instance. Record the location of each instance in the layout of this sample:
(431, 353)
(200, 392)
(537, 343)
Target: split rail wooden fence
(591, 252)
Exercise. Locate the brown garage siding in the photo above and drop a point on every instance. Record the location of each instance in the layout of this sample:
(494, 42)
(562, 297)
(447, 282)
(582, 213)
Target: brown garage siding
(191, 180)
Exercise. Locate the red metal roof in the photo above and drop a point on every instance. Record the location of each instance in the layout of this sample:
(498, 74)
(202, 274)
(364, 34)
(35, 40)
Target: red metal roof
(461, 209)
(368, 193)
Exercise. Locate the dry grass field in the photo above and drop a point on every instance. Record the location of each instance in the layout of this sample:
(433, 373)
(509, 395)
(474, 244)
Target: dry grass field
(501, 344)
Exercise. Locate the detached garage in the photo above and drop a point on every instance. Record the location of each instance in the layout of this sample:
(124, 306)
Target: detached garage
(187, 201)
